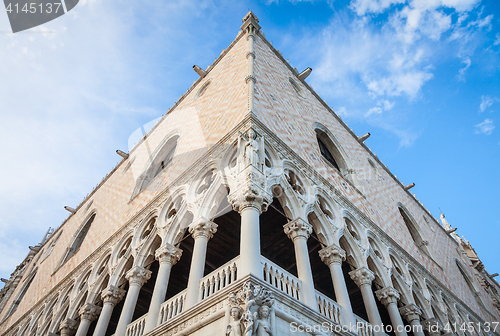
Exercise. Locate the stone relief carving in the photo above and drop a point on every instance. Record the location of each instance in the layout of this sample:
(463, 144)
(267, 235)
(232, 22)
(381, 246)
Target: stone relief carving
(250, 311)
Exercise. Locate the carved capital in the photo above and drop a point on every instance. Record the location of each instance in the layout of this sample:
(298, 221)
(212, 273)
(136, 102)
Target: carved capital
(250, 196)
(138, 275)
(388, 295)
(203, 228)
(432, 327)
(89, 312)
(298, 229)
(112, 294)
(168, 254)
(332, 254)
(68, 327)
(362, 276)
(410, 312)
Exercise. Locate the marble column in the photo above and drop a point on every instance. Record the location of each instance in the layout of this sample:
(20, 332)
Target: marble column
(333, 256)
(202, 231)
(68, 327)
(136, 276)
(88, 313)
(411, 313)
(167, 255)
(299, 231)
(389, 297)
(111, 295)
(363, 277)
(432, 327)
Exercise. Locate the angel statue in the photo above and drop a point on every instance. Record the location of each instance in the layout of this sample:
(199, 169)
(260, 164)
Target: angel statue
(251, 152)
(235, 328)
(262, 326)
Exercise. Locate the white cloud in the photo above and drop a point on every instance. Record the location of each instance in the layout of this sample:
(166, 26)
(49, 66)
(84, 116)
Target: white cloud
(461, 72)
(497, 41)
(486, 127)
(382, 105)
(487, 101)
(361, 7)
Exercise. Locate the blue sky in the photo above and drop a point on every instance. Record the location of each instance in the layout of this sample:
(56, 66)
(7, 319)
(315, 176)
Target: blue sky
(422, 76)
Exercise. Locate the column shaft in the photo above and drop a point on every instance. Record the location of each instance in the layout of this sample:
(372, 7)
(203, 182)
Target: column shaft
(342, 295)
(168, 255)
(250, 259)
(304, 272)
(202, 231)
(396, 320)
(371, 306)
(136, 277)
(103, 321)
(83, 328)
(416, 328)
(333, 256)
(128, 309)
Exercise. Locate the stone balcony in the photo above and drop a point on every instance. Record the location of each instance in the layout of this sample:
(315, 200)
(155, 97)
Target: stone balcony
(210, 316)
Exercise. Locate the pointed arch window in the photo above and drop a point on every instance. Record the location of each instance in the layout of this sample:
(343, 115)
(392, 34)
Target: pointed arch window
(19, 297)
(332, 152)
(415, 231)
(77, 240)
(161, 161)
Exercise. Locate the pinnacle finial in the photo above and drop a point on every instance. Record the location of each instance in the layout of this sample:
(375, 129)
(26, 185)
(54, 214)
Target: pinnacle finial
(249, 15)
(251, 22)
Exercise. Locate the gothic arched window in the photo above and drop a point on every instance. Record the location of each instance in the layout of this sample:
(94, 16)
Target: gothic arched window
(415, 231)
(331, 151)
(77, 241)
(161, 161)
(19, 297)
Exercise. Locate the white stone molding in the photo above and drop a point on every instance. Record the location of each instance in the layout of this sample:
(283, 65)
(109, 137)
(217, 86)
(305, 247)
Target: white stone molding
(387, 295)
(89, 312)
(332, 254)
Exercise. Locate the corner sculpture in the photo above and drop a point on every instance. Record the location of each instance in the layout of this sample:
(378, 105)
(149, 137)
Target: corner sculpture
(250, 311)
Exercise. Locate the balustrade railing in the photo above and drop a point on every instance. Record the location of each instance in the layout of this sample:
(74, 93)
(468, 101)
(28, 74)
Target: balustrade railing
(363, 327)
(328, 307)
(281, 279)
(219, 279)
(172, 307)
(136, 328)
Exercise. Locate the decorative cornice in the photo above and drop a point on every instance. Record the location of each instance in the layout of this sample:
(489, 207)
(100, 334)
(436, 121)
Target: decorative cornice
(168, 253)
(362, 276)
(332, 254)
